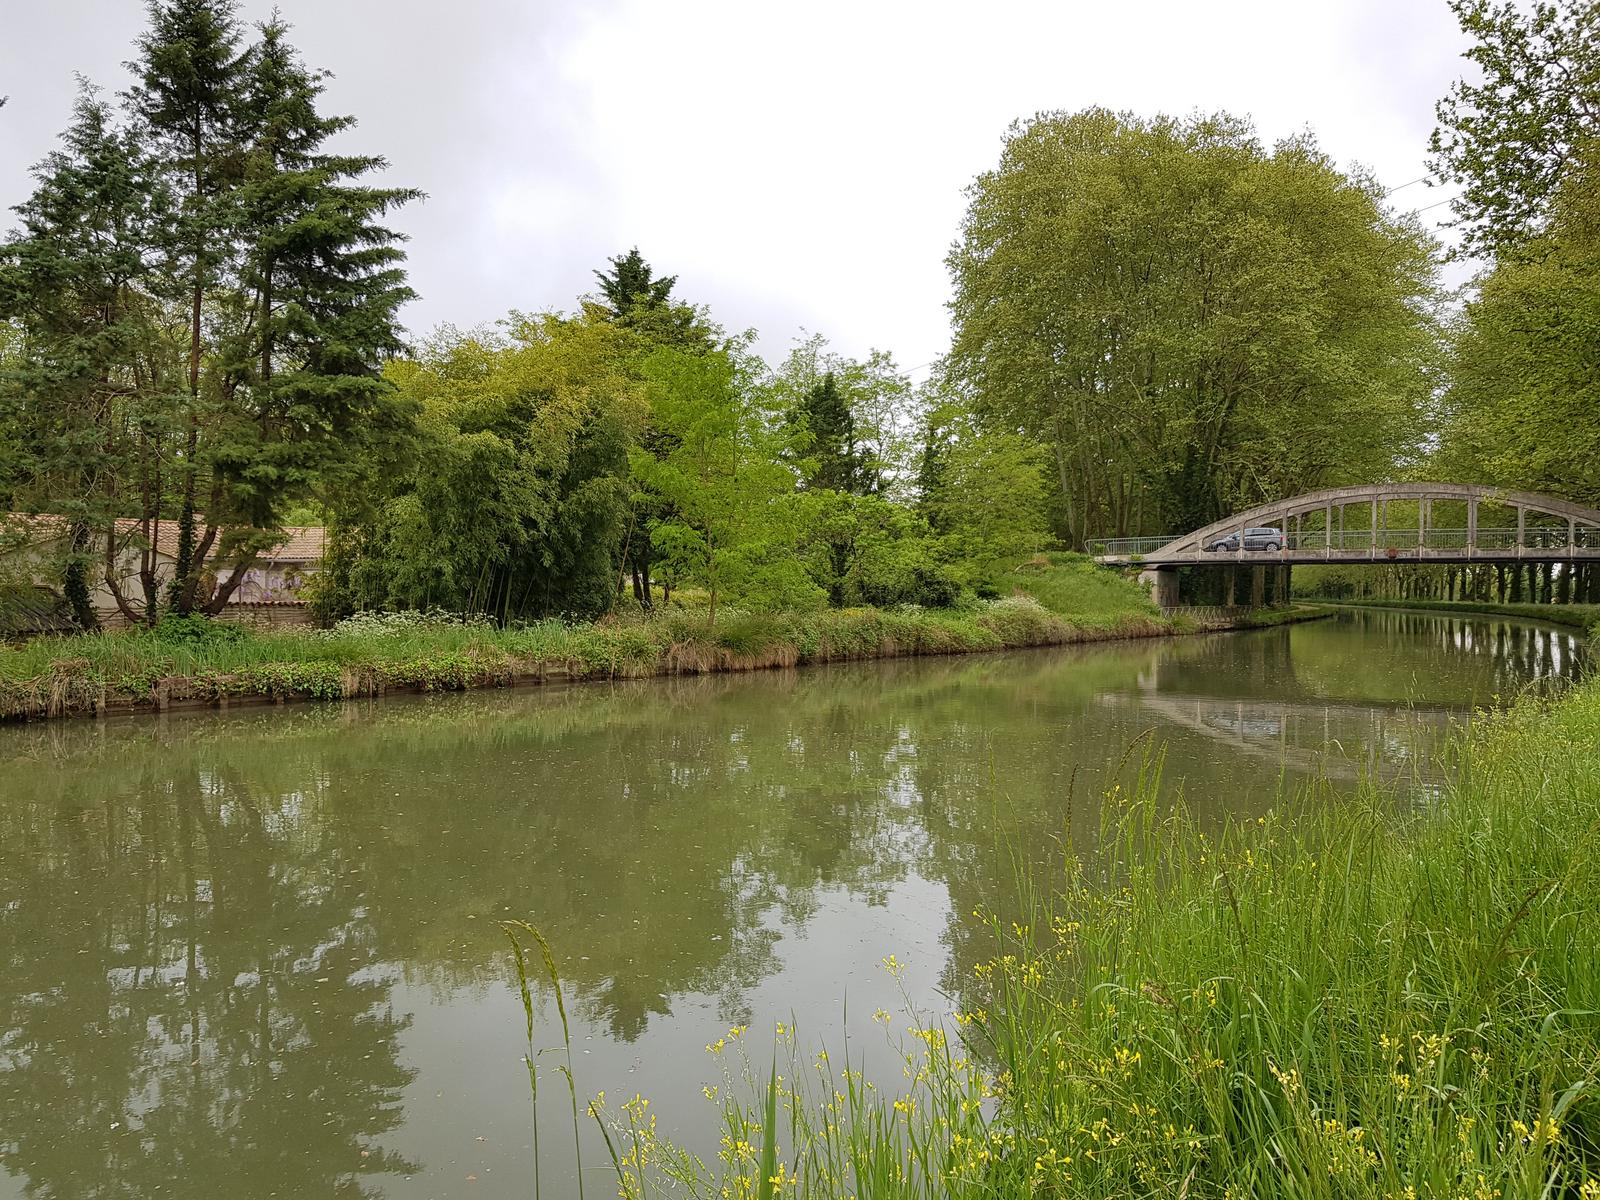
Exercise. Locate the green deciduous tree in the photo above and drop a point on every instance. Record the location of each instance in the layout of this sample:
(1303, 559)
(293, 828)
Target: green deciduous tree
(986, 492)
(1188, 321)
(722, 469)
(1510, 136)
(1521, 410)
(634, 298)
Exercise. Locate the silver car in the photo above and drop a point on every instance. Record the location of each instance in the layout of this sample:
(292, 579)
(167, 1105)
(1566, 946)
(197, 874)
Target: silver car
(1260, 538)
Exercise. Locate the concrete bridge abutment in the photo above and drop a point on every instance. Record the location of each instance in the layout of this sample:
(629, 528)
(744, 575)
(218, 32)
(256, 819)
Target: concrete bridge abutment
(1163, 585)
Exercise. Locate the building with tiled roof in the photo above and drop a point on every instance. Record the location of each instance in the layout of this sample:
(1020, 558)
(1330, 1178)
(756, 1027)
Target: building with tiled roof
(277, 578)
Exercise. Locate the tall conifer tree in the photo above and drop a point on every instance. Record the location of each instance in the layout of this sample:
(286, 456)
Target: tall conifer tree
(74, 279)
(189, 104)
(632, 285)
(272, 255)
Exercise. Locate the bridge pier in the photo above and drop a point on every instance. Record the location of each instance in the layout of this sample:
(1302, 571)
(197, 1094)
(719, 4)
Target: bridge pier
(1163, 585)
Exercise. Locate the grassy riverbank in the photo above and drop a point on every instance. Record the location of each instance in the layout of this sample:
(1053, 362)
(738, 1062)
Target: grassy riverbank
(1351, 998)
(198, 663)
(1579, 616)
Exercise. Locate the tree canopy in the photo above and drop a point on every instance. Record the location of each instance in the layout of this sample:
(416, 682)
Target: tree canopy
(1511, 136)
(1188, 320)
(514, 500)
(207, 295)
(1520, 408)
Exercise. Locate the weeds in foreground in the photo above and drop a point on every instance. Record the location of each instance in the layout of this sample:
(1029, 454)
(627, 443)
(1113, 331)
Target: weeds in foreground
(1349, 999)
(519, 957)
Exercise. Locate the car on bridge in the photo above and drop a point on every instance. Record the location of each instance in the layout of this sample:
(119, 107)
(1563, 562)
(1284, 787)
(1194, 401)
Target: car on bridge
(1258, 538)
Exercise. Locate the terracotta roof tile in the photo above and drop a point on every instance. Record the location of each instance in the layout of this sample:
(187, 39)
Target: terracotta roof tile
(301, 543)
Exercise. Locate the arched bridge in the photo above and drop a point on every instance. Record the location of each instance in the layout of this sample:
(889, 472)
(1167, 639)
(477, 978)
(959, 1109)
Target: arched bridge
(1359, 524)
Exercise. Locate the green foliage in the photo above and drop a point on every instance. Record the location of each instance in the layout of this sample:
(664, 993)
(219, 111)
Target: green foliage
(1520, 408)
(986, 493)
(206, 294)
(838, 463)
(1511, 136)
(1189, 321)
(855, 411)
(639, 300)
(80, 329)
(632, 285)
(195, 631)
(516, 501)
(730, 516)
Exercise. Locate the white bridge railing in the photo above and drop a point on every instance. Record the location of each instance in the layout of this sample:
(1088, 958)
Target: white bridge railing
(1534, 537)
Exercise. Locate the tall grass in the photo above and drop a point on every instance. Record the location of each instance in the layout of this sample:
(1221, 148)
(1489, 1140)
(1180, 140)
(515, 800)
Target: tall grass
(1066, 582)
(1349, 997)
(516, 932)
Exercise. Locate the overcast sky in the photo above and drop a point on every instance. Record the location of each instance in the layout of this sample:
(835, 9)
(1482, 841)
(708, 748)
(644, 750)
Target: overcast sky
(797, 166)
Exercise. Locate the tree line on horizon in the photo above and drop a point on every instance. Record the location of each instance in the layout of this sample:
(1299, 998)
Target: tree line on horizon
(1156, 321)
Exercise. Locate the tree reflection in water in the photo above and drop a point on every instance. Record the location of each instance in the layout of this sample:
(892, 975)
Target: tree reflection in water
(215, 932)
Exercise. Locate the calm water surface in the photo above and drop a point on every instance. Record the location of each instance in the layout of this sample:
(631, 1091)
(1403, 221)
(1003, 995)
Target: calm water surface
(256, 954)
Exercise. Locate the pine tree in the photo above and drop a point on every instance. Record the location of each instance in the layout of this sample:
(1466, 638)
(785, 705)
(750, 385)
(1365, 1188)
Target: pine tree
(291, 280)
(841, 464)
(932, 467)
(320, 284)
(215, 208)
(632, 286)
(73, 280)
(189, 104)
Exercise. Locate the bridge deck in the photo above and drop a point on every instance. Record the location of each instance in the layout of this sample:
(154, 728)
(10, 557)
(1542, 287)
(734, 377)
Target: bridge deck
(1353, 525)
(1296, 556)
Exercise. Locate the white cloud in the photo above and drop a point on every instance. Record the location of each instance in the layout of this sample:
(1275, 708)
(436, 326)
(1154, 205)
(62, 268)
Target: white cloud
(795, 165)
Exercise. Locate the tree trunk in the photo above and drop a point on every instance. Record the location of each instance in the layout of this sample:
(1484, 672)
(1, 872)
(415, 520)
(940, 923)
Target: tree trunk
(75, 580)
(182, 591)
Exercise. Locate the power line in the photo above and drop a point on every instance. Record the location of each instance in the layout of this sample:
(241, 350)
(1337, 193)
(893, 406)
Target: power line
(1397, 187)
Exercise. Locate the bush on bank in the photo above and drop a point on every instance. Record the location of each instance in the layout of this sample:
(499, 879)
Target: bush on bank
(197, 661)
(1352, 999)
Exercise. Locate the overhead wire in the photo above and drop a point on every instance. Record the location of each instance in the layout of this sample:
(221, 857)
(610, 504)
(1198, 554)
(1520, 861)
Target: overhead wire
(1399, 186)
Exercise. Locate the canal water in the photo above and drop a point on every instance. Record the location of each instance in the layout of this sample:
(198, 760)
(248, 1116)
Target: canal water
(258, 954)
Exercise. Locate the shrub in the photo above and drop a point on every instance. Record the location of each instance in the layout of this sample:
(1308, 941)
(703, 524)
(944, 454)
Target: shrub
(196, 630)
(390, 624)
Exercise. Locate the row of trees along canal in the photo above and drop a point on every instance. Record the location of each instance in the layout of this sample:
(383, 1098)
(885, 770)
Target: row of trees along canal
(1157, 321)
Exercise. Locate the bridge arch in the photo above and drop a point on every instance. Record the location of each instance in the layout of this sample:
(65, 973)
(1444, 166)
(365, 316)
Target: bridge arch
(1574, 534)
